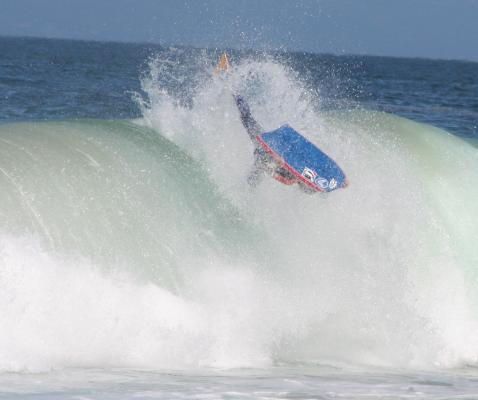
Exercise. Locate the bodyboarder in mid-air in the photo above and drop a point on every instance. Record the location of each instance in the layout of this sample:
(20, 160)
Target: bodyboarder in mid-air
(285, 154)
(263, 162)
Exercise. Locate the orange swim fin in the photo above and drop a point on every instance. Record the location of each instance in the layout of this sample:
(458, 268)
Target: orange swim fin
(223, 64)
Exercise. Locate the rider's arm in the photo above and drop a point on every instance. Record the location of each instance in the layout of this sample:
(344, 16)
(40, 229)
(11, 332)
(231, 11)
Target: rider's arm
(252, 127)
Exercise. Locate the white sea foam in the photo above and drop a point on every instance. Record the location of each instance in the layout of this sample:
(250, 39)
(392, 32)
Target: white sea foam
(148, 257)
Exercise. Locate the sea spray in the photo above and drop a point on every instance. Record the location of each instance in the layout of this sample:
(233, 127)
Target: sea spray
(386, 238)
(140, 244)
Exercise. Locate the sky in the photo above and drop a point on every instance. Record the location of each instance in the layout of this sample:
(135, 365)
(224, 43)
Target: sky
(445, 29)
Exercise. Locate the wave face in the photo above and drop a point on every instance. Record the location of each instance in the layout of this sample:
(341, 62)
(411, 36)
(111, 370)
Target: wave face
(140, 243)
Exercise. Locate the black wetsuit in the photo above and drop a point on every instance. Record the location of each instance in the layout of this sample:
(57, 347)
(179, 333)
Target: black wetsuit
(252, 127)
(263, 162)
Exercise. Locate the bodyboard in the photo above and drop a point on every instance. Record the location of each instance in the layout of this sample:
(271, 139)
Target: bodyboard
(303, 159)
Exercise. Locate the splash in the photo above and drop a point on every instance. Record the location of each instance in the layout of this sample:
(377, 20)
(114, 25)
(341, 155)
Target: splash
(140, 243)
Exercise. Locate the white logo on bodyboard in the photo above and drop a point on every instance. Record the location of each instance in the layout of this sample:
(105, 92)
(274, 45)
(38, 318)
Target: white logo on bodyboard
(313, 177)
(309, 174)
(322, 182)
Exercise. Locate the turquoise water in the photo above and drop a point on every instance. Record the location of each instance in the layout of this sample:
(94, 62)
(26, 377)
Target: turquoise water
(136, 262)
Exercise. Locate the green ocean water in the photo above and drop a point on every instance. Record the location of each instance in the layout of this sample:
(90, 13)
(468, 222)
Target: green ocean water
(135, 260)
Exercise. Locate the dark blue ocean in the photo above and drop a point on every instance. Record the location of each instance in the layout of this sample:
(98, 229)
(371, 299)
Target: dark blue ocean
(137, 262)
(45, 79)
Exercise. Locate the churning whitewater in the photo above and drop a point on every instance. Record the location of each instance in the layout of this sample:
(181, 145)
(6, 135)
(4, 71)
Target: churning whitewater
(140, 244)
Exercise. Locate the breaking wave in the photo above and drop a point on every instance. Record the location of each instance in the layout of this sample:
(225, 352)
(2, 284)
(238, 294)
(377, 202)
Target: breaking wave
(139, 243)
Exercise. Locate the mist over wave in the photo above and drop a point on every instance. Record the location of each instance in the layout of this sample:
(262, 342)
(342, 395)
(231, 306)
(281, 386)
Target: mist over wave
(140, 243)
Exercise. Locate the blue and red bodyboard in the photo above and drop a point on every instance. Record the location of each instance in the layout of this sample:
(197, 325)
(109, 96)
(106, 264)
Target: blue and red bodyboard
(303, 159)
